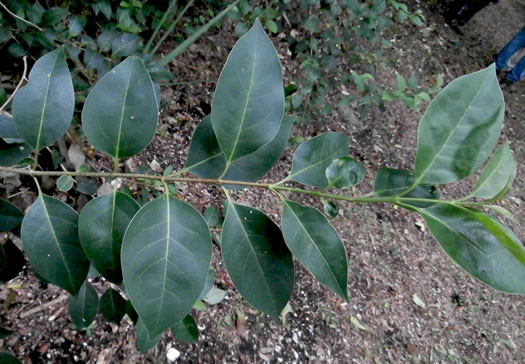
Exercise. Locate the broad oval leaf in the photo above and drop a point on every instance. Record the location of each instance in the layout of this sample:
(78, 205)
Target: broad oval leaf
(110, 214)
(248, 104)
(112, 306)
(144, 340)
(208, 285)
(316, 244)
(497, 175)
(65, 183)
(459, 128)
(344, 172)
(483, 247)
(83, 307)
(312, 157)
(43, 109)
(11, 261)
(186, 330)
(391, 182)
(7, 128)
(120, 114)
(12, 154)
(10, 216)
(165, 258)
(257, 259)
(206, 159)
(50, 238)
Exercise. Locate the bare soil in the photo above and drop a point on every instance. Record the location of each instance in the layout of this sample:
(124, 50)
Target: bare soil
(408, 301)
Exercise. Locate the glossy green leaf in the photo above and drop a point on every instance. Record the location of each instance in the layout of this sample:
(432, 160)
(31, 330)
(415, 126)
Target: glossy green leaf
(83, 307)
(10, 216)
(214, 296)
(6, 358)
(211, 215)
(186, 330)
(459, 129)
(166, 255)
(120, 113)
(391, 182)
(206, 160)
(64, 183)
(12, 154)
(144, 340)
(344, 172)
(479, 244)
(112, 306)
(330, 208)
(11, 261)
(124, 44)
(111, 215)
(497, 175)
(50, 238)
(43, 109)
(7, 128)
(210, 279)
(257, 259)
(248, 104)
(316, 244)
(312, 157)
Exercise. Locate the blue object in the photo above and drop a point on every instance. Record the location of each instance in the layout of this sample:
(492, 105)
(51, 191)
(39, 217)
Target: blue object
(515, 44)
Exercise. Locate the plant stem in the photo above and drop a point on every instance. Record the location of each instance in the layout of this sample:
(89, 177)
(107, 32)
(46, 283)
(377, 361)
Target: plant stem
(168, 12)
(19, 18)
(171, 27)
(17, 86)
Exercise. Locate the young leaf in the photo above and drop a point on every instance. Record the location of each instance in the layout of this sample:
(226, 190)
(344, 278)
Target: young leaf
(186, 330)
(144, 340)
(483, 247)
(206, 160)
(165, 258)
(344, 172)
(110, 214)
(214, 296)
(10, 216)
(312, 157)
(316, 244)
(120, 113)
(112, 306)
(257, 259)
(65, 183)
(459, 129)
(83, 307)
(497, 175)
(11, 261)
(248, 104)
(43, 109)
(391, 182)
(50, 238)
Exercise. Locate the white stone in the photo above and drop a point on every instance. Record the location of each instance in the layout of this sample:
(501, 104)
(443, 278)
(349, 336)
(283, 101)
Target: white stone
(172, 354)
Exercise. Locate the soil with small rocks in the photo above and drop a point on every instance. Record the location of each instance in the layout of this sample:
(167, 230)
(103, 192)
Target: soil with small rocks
(408, 302)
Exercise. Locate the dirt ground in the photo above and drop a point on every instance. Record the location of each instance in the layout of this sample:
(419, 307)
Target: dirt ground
(408, 301)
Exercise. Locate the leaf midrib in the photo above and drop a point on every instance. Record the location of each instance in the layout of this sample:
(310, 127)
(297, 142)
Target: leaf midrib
(39, 135)
(122, 113)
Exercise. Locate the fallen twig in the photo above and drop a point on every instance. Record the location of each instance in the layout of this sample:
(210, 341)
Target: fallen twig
(17, 86)
(45, 306)
(19, 18)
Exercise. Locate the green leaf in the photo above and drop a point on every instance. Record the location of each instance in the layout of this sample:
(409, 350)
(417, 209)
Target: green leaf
(64, 183)
(4, 333)
(344, 172)
(211, 215)
(105, 38)
(120, 114)
(43, 109)
(257, 259)
(76, 25)
(210, 279)
(112, 306)
(11, 261)
(111, 215)
(401, 83)
(186, 330)
(214, 296)
(130, 311)
(330, 208)
(248, 104)
(459, 129)
(6, 358)
(316, 244)
(124, 45)
(206, 160)
(144, 340)
(270, 24)
(312, 157)
(392, 182)
(83, 307)
(165, 259)
(497, 175)
(53, 16)
(479, 244)
(7, 128)
(50, 238)
(13, 154)
(10, 216)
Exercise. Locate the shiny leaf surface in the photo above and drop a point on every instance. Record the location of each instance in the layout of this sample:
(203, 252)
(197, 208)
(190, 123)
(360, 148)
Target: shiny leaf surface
(257, 259)
(120, 113)
(50, 238)
(316, 244)
(10, 216)
(43, 109)
(186, 330)
(112, 306)
(84, 306)
(165, 258)
(144, 340)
